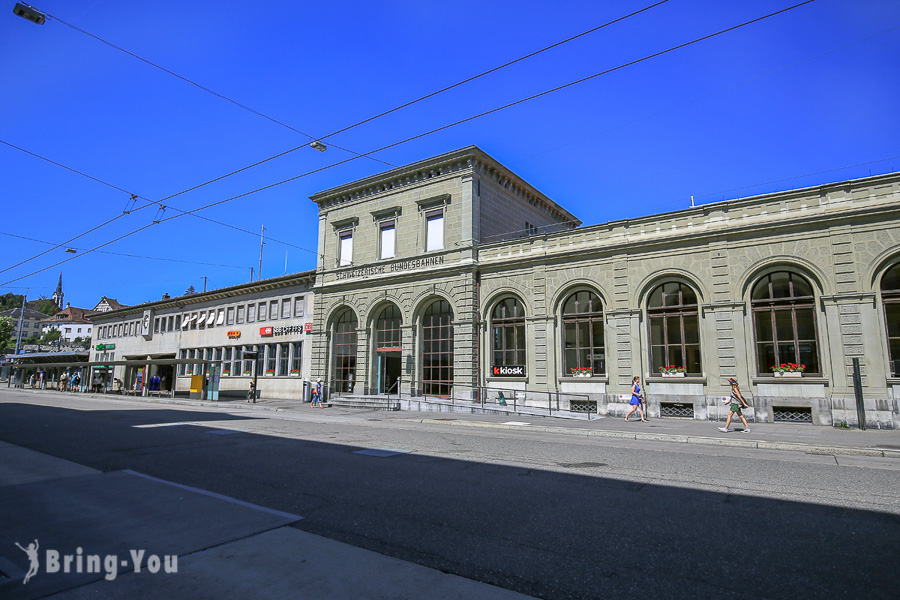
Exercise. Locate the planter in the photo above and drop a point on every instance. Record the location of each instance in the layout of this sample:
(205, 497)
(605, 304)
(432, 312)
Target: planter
(789, 374)
(673, 374)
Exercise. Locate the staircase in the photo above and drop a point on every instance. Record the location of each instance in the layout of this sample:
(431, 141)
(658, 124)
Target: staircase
(363, 402)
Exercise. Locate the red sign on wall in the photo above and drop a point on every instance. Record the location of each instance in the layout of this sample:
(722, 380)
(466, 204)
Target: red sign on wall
(265, 331)
(233, 335)
(307, 327)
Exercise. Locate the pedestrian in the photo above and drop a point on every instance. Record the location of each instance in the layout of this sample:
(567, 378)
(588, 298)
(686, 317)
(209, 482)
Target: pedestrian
(251, 393)
(41, 379)
(737, 402)
(637, 399)
(31, 380)
(317, 394)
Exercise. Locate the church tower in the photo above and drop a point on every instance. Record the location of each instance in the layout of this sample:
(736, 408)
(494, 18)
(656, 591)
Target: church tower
(58, 294)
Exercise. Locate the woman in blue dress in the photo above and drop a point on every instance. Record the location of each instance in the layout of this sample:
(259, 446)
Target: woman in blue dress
(636, 399)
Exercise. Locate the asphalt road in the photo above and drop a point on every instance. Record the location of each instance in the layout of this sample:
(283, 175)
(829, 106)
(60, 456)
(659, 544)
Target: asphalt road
(548, 515)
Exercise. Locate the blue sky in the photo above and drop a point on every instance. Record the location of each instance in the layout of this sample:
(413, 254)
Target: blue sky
(806, 97)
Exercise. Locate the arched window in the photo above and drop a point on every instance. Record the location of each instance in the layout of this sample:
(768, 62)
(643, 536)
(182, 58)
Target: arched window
(437, 349)
(345, 352)
(890, 297)
(508, 326)
(674, 328)
(582, 318)
(387, 329)
(784, 322)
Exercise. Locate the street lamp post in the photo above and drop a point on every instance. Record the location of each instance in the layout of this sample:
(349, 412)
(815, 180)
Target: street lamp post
(30, 13)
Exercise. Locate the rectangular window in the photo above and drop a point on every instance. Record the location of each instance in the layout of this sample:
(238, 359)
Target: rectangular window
(201, 320)
(273, 310)
(194, 322)
(156, 325)
(387, 240)
(434, 235)
(220, 317)
(248, 363)
(163, 322)
(236, 362)
(286, 308)
(271, 358)
(251, 313)
(261, 314)
(177, 322)
(240, 314)
(226, 362)
(296, 358)
(345, 252)
(181, 367)
(283, 350)
(230, 315)
(299, 306)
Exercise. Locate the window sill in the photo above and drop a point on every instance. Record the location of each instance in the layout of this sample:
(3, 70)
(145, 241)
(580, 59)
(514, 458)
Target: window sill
(818, 379)
(687, 379)
(595, 378)
(509, 379)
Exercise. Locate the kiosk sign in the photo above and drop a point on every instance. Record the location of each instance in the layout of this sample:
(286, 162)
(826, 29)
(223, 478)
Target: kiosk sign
(513, 371)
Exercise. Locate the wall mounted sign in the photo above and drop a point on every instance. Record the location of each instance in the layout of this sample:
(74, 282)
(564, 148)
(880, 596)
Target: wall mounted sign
(404, 265)
(307, 327)
(234, 335)
(516, 371)
(105, 347)
(285, 330)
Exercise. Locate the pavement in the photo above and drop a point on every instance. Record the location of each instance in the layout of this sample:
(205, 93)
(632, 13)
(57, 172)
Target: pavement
(796, 437)
(126, 535)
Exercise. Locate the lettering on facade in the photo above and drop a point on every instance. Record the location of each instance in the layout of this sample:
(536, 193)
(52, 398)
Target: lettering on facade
(404, 265)
(287, 329)
(234, 335)
(516, 371)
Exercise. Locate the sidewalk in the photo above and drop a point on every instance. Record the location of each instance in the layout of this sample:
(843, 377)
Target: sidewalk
(815, 439)
(222, 547)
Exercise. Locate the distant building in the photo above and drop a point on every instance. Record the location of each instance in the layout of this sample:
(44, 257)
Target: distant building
(31, 325)
(58, 294)
(71, 322)
(108, 305)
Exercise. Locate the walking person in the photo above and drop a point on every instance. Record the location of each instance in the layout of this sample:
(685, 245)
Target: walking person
(737, 402)
(637, 399)
(317, 395)
(251, 393)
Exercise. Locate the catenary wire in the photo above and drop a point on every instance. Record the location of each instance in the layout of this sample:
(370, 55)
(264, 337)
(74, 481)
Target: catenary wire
(418, 136)
(203, 88)
(253, 165)
(189, 262)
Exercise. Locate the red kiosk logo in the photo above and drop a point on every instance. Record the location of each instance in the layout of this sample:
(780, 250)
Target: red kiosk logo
(265, 331)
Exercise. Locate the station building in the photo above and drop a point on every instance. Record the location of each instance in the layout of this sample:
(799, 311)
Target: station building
(455, 277)
(161, 346)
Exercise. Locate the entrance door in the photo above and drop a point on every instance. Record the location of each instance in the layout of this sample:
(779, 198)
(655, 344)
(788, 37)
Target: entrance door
(389, 369)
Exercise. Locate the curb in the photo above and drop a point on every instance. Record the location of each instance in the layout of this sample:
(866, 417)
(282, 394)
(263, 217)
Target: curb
(684, 439)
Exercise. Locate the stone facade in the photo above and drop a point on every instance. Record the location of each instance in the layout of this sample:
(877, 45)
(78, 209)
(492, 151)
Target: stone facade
(840, 238)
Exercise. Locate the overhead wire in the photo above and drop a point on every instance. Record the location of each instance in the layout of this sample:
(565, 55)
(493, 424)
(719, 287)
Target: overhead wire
(189, 262)
(444, 127)
(202, 87)
(279, 155)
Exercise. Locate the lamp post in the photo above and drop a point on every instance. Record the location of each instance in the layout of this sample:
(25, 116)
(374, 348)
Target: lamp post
(18, 339)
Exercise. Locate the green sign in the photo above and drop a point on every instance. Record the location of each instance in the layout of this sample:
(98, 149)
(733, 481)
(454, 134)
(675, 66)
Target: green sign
(105, 347)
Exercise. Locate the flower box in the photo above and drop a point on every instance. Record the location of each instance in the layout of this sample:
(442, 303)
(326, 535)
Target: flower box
(673, 374)
(582, 372)
(788, 373)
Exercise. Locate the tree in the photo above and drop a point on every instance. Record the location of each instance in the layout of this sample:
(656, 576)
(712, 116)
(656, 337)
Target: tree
(10, 300)
(6, 333)
(190, 291)
(45, 305)
(50, 336)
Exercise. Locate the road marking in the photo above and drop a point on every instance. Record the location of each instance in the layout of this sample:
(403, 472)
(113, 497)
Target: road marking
(515, 423)
(219, 496)
(381, 452)
(163, 425)
(225, 431)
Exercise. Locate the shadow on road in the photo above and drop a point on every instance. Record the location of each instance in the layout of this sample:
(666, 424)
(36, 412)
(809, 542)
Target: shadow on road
(543, 533)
